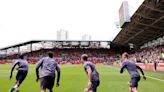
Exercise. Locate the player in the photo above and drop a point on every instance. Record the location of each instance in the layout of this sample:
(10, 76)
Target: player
(21, 74)
(93, 75)
(48, 67)
(132, 70)
(155, 66)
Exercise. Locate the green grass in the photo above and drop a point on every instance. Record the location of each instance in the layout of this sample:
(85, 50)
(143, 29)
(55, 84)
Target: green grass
(74, 79)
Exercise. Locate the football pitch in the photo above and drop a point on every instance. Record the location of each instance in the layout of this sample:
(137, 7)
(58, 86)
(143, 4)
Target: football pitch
(74, 79)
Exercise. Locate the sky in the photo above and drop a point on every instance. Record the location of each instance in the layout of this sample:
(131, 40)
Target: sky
(25, 20)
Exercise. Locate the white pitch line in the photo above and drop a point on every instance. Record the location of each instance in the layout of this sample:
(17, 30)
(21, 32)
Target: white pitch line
(155, 78)
(147, 76)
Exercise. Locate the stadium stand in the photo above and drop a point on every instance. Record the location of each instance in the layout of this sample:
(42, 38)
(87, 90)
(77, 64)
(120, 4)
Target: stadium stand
(149, 55)
(64, 51)
(70, 55)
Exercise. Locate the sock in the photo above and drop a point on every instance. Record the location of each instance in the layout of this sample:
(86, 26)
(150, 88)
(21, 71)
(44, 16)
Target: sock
(17, 89)
(12, 89)
(16, 86)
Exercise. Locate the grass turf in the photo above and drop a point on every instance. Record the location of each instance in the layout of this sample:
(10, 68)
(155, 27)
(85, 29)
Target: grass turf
(74, 79)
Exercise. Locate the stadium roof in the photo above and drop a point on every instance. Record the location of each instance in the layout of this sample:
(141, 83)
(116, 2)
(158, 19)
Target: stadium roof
(147, 23)
(20, 44)
(37, 41)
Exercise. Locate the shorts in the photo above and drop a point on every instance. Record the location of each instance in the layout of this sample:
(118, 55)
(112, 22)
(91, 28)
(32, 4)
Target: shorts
(47, 82)
(21, 75)
(94, 86)
(134, 82)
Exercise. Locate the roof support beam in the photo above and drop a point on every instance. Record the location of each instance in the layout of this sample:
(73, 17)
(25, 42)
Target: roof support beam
(133, 37)
(152, 8)
(158, 20)
(160, 28)
(137, 14)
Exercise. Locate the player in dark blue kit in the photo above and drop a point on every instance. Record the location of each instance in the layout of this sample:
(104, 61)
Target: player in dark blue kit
(132, 70)
(21, 74)
(48, 68)
(93, 75)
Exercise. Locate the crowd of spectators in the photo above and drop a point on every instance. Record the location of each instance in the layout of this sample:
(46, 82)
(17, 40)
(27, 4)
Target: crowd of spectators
(73, 55)
(149, 55)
